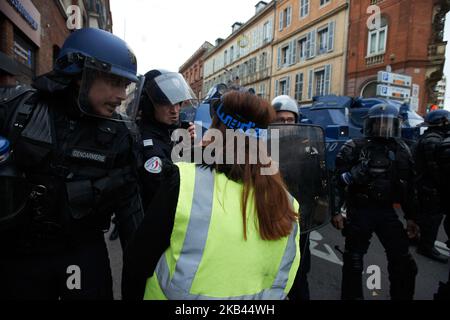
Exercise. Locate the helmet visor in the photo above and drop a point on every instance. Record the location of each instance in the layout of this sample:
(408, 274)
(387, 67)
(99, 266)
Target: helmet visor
(382, 127)
(107, 95)
(171, 89)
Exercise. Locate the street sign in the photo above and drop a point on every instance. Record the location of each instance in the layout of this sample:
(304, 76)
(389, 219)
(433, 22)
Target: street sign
(394, 79)
(415, 90)
(414, 104)
(393, 92)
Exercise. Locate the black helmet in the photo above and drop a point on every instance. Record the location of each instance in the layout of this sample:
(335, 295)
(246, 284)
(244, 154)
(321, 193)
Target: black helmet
(382, 121)
(437, 118)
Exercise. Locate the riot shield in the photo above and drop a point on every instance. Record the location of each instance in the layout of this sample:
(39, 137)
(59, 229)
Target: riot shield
(303, 166)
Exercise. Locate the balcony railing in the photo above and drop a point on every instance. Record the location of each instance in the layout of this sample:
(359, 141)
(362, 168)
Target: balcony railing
(374, 60)
(436, 51)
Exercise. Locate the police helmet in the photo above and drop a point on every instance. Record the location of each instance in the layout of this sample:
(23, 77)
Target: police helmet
(286, 103)
(90, 54)
(437, 118)
(168, 88)
(382, 121)
(108, 51)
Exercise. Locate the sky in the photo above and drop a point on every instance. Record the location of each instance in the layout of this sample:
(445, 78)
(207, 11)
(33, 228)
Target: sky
(165, 34)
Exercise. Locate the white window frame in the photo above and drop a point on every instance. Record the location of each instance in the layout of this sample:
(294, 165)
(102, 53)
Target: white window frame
(315, 91)
(303, 4)
(326, 27)
(285, 48)
(322, 5)
(299, 41)
(377, 41)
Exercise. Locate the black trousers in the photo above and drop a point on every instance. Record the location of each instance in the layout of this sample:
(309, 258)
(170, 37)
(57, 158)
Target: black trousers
(384, 222)
(75, 273)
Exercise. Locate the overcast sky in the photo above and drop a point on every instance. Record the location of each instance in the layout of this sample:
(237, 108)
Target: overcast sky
(164, 34)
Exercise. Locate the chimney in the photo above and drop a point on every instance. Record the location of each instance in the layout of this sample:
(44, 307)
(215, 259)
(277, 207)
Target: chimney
(259, 6)
(218, 41)
(236, 26)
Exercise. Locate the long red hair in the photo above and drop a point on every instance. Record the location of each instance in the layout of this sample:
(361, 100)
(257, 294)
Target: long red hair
(274, 210)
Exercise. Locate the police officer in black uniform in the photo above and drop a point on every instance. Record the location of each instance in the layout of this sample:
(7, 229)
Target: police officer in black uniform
(164, 95)
(71, 138)
(432, 158)
(373, 174)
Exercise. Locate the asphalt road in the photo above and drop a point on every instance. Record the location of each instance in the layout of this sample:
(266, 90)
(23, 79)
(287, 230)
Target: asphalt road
(326, 264)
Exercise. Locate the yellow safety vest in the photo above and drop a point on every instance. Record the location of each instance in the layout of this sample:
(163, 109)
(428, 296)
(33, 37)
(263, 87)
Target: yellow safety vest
(208, 257)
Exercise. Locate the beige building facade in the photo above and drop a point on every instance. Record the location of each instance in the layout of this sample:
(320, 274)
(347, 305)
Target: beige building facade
(309, 48)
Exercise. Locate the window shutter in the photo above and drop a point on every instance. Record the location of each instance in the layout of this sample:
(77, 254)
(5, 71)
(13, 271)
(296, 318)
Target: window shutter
(310, 84)
(327, 88)
(313, 47)
(294, 51)
(288, 86)
(270, 31)
(300, 87)
(308, 45)
(279, 58)
(289, 16)
(331, 32)
(281, 21)
(276, 87)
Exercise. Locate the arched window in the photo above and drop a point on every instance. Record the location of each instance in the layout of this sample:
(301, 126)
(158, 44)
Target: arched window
(369, 90)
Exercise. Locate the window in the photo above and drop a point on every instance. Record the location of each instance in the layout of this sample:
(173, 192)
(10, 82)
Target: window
(225, 58)
(323, 41)
(231, 54)
(262, 90)
(263, 61)
(302, 43)
(288, 13)
(284, 87)
(319, 85)
(284, 55)
(285, 18)
(304, 8)
(324, 2)
(299, 87)
(377, 39)
(325, 37)
(252, 66)
(266, 31)
(319, 81)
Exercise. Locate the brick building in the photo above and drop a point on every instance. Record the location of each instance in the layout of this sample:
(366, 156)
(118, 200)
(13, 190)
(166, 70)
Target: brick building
(192, 69)
(410, 40)
(33, 31)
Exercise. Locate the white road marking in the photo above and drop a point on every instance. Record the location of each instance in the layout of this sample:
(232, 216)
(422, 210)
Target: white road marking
(329, 255)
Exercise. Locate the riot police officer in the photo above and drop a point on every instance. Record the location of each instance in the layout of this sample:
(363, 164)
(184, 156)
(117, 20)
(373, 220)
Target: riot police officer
(164, 95)
(373, 174)
(71, 138)
(432, 158)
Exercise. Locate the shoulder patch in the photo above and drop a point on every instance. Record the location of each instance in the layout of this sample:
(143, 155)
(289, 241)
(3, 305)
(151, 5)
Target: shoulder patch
(148, 143)
(153, 165)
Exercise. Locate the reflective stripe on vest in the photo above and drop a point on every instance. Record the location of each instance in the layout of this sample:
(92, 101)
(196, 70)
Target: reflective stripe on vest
(179, 287)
